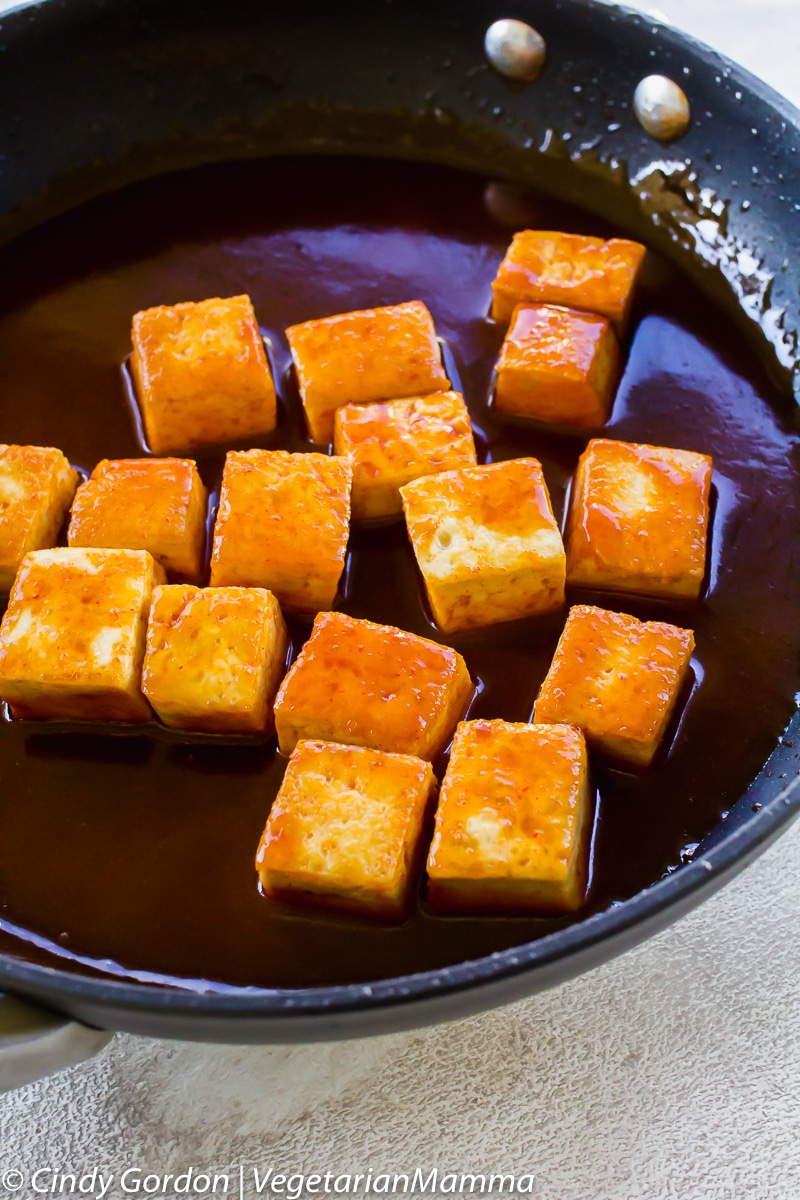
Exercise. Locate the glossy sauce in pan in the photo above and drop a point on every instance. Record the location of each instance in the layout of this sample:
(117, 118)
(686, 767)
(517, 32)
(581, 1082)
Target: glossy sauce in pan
(136, 852)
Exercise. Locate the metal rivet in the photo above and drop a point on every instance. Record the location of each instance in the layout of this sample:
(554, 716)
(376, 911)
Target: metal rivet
(661, 107)
(515, 49)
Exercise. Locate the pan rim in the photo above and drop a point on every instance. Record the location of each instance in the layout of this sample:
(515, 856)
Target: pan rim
(690, 884)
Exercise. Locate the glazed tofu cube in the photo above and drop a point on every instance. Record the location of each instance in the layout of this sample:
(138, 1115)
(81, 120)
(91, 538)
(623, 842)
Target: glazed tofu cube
(617, 679)
(638, 519)
(155, 504)
(72, 639)
(390, 444)
(214, 658)
(514, 820)
(567, 268)
(557, 366)
(201, 374)
(487, 543)
(283, 524)
(36, 487)
(372, 685)
(359, 357)
(344, 830)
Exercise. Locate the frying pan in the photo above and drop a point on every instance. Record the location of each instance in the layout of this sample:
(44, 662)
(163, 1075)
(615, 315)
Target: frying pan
(97, 95)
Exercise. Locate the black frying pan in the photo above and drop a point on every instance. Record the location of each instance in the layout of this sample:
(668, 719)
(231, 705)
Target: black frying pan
(96, 95)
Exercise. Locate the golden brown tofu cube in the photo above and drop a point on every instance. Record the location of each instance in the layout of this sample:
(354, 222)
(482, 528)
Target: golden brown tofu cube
(570, 269)
(72, 639)
(215, 657)
(344, 830)
(638, 519)
(201, 374)
(359, 357)
(390, 444)
(36, 487)
(283, 524)
(155, 504)
(364, 684)
(487, 543)
(557, 366)
(617, 679)
(513, 822)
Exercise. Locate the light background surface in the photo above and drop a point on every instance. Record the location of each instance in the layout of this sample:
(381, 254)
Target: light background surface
(670, 1074)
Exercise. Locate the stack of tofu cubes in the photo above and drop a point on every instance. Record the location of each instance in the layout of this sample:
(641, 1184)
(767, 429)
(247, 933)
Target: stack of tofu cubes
(118, 625)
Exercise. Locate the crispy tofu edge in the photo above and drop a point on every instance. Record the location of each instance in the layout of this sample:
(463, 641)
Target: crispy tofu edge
(320, 415)
(592, 398)
(378, 499)
(183, 563)
(580, 552)
(224, 574)
(258, 721)
(505, 298)
(620, 749)
(46, 525)
(445, 597)
(390, 906)
(505, 896)
(157, 442)
(293, 726)
(128, 703)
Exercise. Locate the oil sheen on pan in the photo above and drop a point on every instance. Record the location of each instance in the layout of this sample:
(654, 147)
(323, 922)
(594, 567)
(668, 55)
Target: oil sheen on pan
(134, 854)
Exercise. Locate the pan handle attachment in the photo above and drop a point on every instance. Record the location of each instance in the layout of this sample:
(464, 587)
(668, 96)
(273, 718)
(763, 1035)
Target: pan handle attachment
(35, 1042)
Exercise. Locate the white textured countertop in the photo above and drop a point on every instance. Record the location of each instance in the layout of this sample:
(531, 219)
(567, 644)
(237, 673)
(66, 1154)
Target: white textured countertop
(670, 1074)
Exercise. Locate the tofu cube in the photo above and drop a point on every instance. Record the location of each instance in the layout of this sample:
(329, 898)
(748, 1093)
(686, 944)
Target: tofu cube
(514, 820)
(390, 444)
(638, 519)
(201, 374)
(557, 366)
(487, 543)
(359, 357)
(214, 658)
(617, 679)
(364, 684)
(344, 831)
(283, 524)
(155, 504)
(73, 636)
(36, 487)
(567, 268)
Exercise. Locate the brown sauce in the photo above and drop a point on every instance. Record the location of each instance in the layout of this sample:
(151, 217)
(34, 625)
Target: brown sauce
(135, 853)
